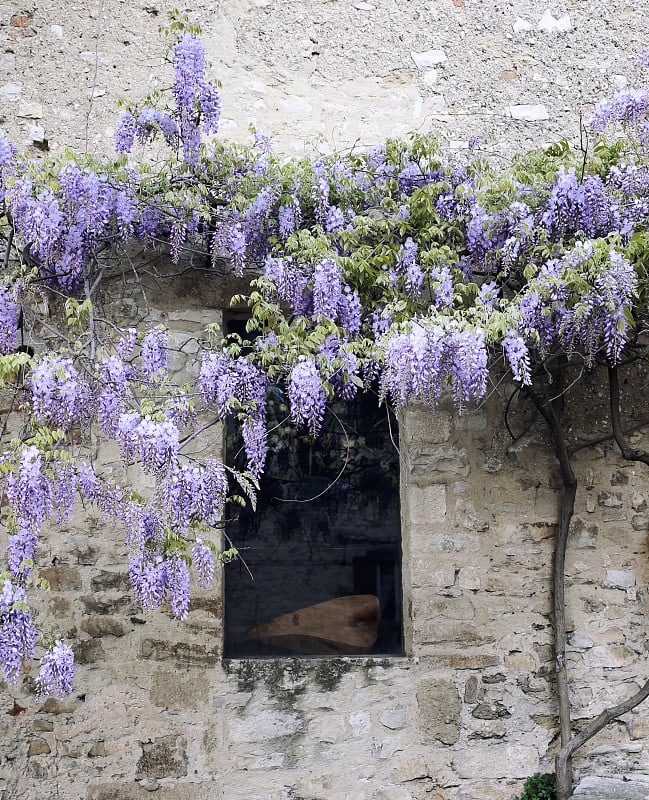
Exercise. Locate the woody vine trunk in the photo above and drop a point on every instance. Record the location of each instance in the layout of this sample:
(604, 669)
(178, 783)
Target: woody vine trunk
(551, 408)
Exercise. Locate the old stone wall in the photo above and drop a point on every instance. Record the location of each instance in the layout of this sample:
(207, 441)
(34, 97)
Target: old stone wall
(324, 74)
(466, 714)
(469, 711)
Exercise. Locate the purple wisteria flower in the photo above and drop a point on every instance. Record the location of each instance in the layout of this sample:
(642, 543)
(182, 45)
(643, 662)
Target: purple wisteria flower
(327, 289)
(290, 281)
(203, 560)
(30, 491)
(56, 672)
(155, 355)
(125, 133)
(17, 631)
(58, 394)
(442, 286)
(628, 106)
(349, 311)
(196, 99)
(408, 268)
(148, 580)
(307, 396)
(253, 431)
(335, 220)
(286, 220)
(7, 152)
(21, 554)
(114, 392)
(320, 191)
(154, 443)
(8, 320)
(158, 580)
(194, 492)
(422, 362)
(518, 357)
(177, 580)
(236, 245)
(564, 208)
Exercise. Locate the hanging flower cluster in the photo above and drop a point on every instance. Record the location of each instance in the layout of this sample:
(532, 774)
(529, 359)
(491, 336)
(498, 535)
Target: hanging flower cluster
(401, 267)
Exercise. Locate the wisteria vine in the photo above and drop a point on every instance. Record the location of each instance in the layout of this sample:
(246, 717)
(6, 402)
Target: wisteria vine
(400, 268)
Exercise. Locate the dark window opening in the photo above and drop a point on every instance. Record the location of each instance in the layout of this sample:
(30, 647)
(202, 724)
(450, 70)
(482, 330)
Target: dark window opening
(319, 571)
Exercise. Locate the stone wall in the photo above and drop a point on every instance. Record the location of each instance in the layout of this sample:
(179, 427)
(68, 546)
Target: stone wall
(324, 74)
(470, 710)
(465, 715)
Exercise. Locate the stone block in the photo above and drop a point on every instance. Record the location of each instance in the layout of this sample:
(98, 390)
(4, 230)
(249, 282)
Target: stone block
(490, 711)
(145, 790)
(423, 425)
(96, 627)
(89, 652)
(437, 463)
(98, 750)
(59, 606)
(451, 542)
(461, 660)
(329, 729)
(634, 787)
(184, 652)
(439, 709)
(520, 661)
(165, 757)
(609, 499)
(609, 656)
(426, 505)
(393, 718)
(470, 420)
(62, 578)
(179, 690)
(264, 725)
(470, 577)
(393, 793)
(471, 690)
(429, 608)
(619, 579)
(425, 571)
(54, 706)
(491, 729)
(578, 641)
(640, 522)
(416, 766)
(105, 605)
(467, 517)
(38, 747)
(436, 631)
(208, 603)
(86, 554)
(360, 722)
(496, 761)
(638, 728)
(104, 580)
(583, 535)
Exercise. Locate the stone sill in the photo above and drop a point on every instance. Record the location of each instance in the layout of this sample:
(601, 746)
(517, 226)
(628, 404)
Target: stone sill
(325, 672)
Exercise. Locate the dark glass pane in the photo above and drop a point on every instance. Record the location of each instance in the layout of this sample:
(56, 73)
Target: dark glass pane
(327, 526)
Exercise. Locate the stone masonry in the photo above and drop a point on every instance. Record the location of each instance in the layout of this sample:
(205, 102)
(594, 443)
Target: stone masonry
(468, 712)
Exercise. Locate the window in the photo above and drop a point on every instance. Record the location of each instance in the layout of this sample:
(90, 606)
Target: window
(319, 567)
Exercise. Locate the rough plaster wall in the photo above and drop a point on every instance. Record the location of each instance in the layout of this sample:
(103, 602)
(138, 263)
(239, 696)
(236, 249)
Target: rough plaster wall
(470, 711)
(324, 73)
